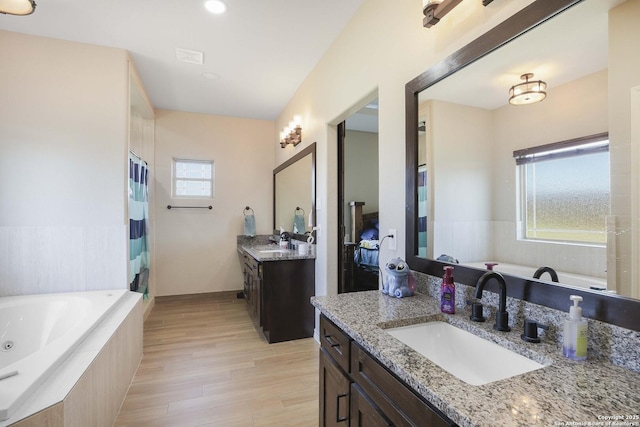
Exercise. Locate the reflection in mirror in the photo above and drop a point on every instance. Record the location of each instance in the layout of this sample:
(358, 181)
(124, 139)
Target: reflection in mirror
(475, 204)
(294, 192)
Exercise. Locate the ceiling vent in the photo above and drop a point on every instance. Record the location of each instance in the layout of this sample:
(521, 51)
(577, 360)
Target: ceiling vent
(190, 56)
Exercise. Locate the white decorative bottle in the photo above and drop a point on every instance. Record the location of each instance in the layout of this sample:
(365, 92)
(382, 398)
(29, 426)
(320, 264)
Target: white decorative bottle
(575, 332)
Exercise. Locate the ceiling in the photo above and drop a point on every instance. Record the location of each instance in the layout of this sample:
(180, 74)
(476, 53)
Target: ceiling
(572, 45)
(258, 53)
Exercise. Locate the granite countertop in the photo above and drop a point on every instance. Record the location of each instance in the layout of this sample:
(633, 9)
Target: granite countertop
(564, 392)
(272, 252)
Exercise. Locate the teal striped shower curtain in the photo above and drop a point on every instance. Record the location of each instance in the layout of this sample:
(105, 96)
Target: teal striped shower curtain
(138, 224)
(422, 211)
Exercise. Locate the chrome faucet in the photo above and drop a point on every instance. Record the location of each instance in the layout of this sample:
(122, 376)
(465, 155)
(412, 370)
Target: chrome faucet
(539, 272)
(502, 316)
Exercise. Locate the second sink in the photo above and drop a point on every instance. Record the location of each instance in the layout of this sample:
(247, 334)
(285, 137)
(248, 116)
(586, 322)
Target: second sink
(470, 358)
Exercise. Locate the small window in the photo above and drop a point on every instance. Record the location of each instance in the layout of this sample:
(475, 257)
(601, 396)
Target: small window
(193, 178)
(564, 190)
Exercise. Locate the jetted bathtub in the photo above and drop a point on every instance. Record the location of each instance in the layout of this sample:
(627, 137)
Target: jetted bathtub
(37, 332)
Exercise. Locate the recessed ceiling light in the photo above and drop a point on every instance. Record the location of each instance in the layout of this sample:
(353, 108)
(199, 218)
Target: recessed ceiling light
(216, 6)
(210, 76)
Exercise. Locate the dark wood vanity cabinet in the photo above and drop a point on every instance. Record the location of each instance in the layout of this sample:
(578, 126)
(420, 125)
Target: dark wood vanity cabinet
(252, 288)
(278, 294)
(349, 375)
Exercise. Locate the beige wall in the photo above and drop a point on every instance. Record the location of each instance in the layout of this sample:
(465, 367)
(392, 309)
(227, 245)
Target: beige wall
(63, 116)
(360, 173)
(63, 143)
(461, 175)
(624, 75)
(382, 48)
(196, 248)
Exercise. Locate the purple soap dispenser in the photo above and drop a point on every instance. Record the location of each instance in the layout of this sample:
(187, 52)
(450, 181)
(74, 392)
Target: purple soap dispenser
(448, 292)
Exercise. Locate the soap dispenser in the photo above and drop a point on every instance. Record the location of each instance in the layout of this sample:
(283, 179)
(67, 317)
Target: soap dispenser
(284, 243)
(575, 332)
(448, 292)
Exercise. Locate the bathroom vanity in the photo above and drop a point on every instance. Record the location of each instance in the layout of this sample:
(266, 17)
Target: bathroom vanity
(356, 389)
(278, 284)
(368, 377)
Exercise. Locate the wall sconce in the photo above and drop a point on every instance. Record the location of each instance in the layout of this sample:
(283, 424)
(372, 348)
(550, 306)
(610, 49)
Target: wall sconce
(435, 10)
(291, 134)
(17, 7)
(527, 92)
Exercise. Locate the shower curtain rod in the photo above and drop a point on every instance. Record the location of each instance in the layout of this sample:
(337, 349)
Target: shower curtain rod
(136, 154)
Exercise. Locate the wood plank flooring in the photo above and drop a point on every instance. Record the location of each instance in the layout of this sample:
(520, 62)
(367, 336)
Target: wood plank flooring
(205, 364)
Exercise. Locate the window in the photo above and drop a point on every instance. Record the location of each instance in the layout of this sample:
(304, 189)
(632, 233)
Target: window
(193, 178)
(564, 190)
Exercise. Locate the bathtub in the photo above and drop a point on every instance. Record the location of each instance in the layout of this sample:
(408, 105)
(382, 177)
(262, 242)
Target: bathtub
(37, 333)
(571, 279)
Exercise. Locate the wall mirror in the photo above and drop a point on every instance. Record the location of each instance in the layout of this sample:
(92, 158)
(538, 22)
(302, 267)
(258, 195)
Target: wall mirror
(294, 192)
(464, 190)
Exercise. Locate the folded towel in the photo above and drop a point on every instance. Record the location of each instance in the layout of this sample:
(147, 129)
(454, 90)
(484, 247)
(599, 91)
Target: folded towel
(370, 244)
(298, 223)
(250, 225)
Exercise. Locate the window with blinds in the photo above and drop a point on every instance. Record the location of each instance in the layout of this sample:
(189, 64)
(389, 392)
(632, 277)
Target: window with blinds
(564, 190)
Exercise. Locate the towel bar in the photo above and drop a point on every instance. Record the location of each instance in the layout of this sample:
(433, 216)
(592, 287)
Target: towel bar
(189, 207)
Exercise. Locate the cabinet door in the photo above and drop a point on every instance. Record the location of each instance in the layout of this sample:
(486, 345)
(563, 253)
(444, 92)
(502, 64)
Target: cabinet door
(364, 413)
(391, 395)
(257, 297)
(334, 393)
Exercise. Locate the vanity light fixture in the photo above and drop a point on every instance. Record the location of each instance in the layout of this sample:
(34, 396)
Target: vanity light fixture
(528, 92)
(291, 134)
(435, 10)
(17, 7)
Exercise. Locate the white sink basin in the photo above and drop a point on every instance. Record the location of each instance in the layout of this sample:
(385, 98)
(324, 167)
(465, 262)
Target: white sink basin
(274, 251)
(470, 358)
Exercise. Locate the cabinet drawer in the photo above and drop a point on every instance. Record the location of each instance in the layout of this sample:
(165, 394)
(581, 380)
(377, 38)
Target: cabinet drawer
(399, 404)
(335, 342)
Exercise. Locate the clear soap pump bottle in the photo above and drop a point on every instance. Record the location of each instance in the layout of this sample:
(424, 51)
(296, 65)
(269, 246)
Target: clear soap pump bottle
(575, 332)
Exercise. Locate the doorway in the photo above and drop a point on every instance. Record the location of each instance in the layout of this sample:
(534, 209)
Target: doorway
(358, 200)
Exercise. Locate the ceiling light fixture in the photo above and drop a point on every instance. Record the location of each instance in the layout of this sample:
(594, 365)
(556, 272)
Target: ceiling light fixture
(17, 7)
(527, 92)
(216, 7)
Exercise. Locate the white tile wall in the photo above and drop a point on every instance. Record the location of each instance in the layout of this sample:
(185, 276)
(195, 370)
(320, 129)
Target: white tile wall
(47, 259)
(477, 241)
(467, 241)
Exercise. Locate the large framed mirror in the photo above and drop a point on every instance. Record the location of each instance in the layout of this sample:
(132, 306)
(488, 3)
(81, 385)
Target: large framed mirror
(468, 198)
(294, 192)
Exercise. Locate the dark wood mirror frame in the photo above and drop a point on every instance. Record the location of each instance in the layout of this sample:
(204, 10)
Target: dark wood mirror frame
(613, 309)
(311, 149)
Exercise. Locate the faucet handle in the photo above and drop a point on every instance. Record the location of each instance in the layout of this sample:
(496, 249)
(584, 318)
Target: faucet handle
(476, 311)
(531, 331)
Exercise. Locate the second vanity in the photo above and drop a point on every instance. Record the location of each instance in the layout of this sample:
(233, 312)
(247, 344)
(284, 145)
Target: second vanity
(370, 375)
(278, 284)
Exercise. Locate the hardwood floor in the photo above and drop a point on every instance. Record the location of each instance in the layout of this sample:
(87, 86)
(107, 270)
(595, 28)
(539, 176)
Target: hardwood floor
(204, 364)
